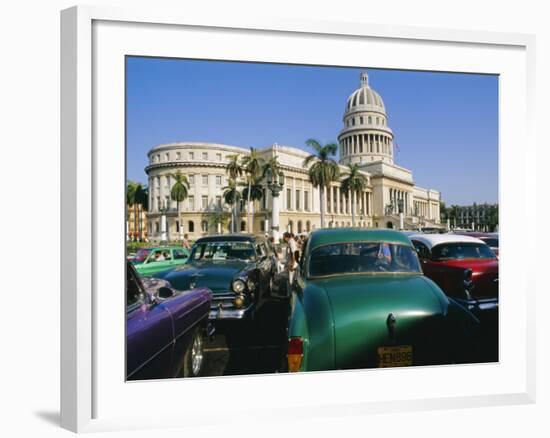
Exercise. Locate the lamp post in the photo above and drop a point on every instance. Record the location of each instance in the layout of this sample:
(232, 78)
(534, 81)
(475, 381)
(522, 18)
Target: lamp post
(275, 183)
(163, 209)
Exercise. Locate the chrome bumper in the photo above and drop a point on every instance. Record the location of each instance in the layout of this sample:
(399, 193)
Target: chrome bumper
(481, 305)
(218, 312)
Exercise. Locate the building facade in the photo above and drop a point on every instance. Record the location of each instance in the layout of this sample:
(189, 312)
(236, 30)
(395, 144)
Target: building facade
(366, 139)
(475, 217)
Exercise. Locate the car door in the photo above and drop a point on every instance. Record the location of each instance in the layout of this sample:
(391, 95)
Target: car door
(449, 279)
(149, 334)
(153, 265)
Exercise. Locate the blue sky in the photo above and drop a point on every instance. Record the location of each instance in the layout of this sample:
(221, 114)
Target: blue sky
(446, 124)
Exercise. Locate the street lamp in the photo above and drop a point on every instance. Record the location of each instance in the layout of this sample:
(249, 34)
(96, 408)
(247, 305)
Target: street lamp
(275, 183)
(163, 209)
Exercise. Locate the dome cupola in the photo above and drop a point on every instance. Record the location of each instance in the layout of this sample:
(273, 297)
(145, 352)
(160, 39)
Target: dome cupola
(366, 136)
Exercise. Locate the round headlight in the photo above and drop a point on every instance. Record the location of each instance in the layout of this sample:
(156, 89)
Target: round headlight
(251, 285)
(238, 286)
(239, 301)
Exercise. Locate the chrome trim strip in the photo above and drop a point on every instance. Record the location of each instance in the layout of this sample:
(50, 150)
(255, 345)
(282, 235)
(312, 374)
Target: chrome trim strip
(220, 313)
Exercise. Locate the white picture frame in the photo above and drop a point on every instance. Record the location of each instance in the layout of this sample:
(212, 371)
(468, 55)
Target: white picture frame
(91, 388)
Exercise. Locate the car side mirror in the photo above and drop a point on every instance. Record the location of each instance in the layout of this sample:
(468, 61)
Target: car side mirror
(165, 292)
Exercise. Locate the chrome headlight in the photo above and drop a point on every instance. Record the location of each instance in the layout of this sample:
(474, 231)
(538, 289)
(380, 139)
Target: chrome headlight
(238, 286)
(250, 284)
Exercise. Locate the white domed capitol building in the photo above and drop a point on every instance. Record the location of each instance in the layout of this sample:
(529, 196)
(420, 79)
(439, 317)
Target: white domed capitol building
(390, 199)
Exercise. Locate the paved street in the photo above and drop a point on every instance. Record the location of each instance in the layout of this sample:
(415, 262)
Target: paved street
(242, 347)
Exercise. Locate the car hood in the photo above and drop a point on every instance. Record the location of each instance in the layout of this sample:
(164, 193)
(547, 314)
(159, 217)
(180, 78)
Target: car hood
(215, 275)
(361, 305)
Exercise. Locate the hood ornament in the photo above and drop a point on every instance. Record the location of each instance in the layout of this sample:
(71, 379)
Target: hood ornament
(391, 320)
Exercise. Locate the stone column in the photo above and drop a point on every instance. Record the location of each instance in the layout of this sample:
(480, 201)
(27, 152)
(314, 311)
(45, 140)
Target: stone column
(275, 214)
(338, 200)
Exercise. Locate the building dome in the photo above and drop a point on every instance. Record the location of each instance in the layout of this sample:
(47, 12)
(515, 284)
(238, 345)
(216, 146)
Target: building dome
(366, 136)
(365, 98)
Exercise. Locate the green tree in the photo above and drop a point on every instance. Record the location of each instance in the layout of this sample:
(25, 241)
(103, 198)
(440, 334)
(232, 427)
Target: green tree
(252, 164)
(235, 170)
(232, 197)
(354, 183)
(142, 201)
(131, 189)
(220, 217)
(323, 171)
(253, 191)
(180, 191)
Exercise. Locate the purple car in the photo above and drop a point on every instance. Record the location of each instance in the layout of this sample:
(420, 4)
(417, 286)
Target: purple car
(165, 328)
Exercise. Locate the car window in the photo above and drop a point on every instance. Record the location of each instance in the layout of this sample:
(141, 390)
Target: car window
(421, 249)
(491, 241)
(220, 250)
(362, 257)
(141, 255)
(179, 254)
(462, 250)
(133, 289)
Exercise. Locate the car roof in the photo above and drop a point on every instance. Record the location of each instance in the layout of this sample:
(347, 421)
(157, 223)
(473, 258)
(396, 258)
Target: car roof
(228, 238)
(431, 240)
(329, 236)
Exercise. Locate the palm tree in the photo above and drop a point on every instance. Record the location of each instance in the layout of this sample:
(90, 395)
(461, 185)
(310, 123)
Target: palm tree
(218, 217)
(180, 191)
(272, 165)
(232, 197)
(234, 170)
(254, 191)
(252, 164)
(142, 201)
(324, 169)
(354, 183)
(131, 189)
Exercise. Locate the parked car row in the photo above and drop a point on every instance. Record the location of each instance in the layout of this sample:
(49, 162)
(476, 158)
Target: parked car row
(361, 298)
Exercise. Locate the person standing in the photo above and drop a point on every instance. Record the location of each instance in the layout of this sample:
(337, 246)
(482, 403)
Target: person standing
(291, 260)
(185, 243)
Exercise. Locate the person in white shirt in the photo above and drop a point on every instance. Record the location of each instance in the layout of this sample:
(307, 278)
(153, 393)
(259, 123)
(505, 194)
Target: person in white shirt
(291, 257)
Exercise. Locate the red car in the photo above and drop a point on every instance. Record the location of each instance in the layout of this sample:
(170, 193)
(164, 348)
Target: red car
(465, 267)
(490, 239)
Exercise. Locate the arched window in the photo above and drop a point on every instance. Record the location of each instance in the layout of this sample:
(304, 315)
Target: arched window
(191, 226)
(389, 225)
(290, 227)
(370, 120)
(204, 226)
(243, 226)
(300, 226)
(308, 226)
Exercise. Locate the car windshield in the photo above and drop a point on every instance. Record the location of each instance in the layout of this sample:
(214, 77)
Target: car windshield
(141, 255)
(362, 257)
(223, 250)
(462, 250)
(491, 241)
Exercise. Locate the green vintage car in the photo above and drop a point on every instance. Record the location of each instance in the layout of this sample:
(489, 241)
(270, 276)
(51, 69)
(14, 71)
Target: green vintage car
(360, 301)
(151, 261)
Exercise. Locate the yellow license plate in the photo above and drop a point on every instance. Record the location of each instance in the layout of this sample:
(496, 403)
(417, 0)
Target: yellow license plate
(398, 356)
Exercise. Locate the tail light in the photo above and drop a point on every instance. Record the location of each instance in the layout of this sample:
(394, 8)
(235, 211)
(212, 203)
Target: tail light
(295, 354)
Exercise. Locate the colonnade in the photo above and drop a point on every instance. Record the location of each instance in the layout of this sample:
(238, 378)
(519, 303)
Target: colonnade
(396, 196)
(367, 143)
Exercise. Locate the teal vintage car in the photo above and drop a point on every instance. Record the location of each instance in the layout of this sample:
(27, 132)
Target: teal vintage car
(360, 301)
(151, 261)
